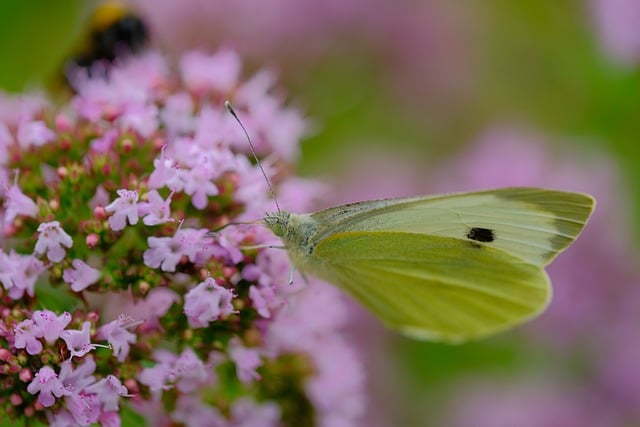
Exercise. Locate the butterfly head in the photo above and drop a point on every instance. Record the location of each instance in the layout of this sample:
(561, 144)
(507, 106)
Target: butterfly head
(278, 222)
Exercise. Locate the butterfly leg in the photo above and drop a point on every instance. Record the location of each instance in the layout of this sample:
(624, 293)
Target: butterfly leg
(304, 276)
(247, 248)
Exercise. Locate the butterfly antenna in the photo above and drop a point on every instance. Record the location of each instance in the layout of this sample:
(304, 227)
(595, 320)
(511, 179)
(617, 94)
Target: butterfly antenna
(227, 104)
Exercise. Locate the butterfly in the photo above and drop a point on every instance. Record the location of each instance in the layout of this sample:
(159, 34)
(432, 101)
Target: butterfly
(450, 267)
(447, 267)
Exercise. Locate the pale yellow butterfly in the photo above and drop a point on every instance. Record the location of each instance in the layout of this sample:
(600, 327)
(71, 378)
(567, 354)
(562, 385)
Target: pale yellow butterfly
(447, 267)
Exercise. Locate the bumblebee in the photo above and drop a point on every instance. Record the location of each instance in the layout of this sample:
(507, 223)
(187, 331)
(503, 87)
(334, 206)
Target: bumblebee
(114, 31)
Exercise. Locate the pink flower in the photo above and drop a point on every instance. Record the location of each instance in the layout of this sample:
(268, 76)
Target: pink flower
(108, 391)
(78, 341)
(156, 377)
(49, 325)
(61, 418)
(26, 334)
(17, 203)
(198, 182)
(142, 119)
(118, 336)
(84, 407)
(191, 411)
(156, 210)
(202, 73)
(189, 372)
(247, 360)
(247, 413)
(100, 198)
(17, 108)
(263, 298)
(51, 240)
(186, 371)
(166, 252)
(165, 173)
(34, 134)
(163, 252)
(81, 276)
(76, 379)
(105, 142)
(617, 22)
(19, 273)
(123, 208)
(48, 386)
(207, 302)
(5, 142)
(177, 114)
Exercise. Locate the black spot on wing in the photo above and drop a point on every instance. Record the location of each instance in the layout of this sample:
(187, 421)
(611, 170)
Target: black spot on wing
(481, 234)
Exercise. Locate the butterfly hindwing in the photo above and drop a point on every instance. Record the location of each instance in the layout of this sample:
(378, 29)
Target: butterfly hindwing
(433, 287)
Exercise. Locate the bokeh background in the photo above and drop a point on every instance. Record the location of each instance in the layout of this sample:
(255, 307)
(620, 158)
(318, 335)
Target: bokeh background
(409, 97)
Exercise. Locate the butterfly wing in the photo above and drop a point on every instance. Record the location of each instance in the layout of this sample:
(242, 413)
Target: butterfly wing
(532, 224)
(433, 287)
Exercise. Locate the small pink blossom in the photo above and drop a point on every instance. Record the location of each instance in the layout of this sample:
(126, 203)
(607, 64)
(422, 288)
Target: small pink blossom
(61, 418)
(156, 210)
(617, 22)
(105, 142)
(77, 378)
(156, 377)
(189, 372)
(108, 391)
(34, 134)
(123, 208)
(19, 273)
(47, 384)
(247, 360)
(26, 334)
(84, 407)
(78, 341)
(202, 72)
(166, 252)
(118, 336)
(142, 119)
(264, 299)
(165, 173)
(50, 326)
(101, 198)
(81, 276)
(5, 141)
(226, 245)
(157, 303)
(192, 411)
(51, 240)
(17, 203)
(163, 252)
(198, 182)
(177, 114)
(207, 302)
(247, 413)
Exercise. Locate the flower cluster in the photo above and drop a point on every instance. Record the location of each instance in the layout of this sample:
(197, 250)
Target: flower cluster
(116, 296)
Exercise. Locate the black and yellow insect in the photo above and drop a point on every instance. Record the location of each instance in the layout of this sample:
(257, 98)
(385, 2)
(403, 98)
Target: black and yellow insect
(114, 31)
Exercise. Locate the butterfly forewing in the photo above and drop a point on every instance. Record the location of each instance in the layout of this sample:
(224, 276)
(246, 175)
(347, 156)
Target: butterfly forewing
(407, 280)
(528, 223)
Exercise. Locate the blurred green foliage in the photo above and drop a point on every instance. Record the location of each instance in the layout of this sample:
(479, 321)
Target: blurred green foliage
(35, 37)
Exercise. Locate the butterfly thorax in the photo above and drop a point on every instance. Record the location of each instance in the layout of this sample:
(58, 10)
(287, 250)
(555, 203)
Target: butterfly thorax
(295, 231)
